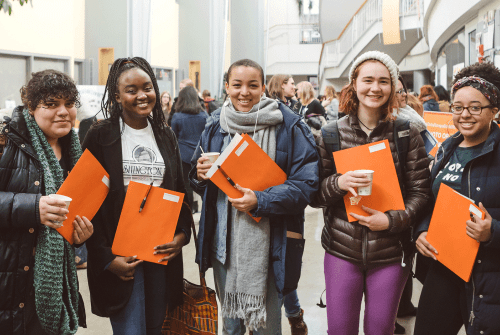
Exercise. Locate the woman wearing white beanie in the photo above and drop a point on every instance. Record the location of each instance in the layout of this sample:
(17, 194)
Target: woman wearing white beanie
(371, 256)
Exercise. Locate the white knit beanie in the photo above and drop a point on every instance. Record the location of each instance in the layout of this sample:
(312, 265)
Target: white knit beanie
(383, 58)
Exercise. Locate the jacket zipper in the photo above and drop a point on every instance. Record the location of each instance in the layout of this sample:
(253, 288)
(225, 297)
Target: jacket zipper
(364, 246)
(472, 316)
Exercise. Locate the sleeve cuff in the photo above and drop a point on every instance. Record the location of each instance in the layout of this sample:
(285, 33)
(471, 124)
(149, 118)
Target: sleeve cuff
(494, 241)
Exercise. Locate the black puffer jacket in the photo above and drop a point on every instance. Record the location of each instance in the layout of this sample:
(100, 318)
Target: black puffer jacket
(20, 191)
(352, 241)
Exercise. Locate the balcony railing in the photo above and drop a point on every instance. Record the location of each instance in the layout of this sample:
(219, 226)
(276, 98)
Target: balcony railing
(371, 12)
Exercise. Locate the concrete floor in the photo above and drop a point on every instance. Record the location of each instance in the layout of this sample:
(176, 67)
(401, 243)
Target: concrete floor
(310, 287)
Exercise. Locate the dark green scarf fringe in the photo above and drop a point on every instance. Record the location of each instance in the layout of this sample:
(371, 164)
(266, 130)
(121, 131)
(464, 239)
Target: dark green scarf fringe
(55, 277)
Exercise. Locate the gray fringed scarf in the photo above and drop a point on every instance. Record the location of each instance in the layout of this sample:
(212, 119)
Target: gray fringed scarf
(55, 277)
(248, 264)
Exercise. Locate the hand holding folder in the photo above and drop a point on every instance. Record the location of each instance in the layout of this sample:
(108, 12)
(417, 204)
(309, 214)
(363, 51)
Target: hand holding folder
(244, 163)
(386, 193)
(88, 186)
(448, 231)
(141, 230)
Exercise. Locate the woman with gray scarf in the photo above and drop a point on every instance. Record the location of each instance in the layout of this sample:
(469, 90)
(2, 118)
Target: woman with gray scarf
(249, 257)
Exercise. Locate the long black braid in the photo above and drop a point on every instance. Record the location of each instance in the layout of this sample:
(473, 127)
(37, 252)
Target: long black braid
(111, 108)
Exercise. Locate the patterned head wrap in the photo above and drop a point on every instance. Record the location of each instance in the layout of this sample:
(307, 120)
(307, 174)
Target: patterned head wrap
(490, 91)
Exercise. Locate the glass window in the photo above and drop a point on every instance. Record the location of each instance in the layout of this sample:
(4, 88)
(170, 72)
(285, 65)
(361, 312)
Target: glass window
(12, 78)
(472, 47)
(41, 64)
(164, 79)
(451, 54)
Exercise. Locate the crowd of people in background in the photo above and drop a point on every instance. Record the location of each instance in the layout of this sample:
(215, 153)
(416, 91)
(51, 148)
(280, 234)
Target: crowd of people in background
(256, 266)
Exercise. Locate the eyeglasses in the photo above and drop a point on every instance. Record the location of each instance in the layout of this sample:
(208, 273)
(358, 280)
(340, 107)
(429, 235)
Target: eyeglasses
(473, 110)
(401, 91)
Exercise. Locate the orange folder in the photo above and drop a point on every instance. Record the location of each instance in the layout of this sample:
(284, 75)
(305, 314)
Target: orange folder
(138, 233)
(386, 194)
(88, 186)
(447, 231)
(248, 166)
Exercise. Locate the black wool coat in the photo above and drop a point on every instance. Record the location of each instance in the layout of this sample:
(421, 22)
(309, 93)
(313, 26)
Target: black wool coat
(109, 294)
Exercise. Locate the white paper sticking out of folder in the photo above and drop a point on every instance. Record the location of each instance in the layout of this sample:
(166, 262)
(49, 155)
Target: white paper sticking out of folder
(105, 180)
(474, 210)
(377, 147)
(223, 156)
(171, 197)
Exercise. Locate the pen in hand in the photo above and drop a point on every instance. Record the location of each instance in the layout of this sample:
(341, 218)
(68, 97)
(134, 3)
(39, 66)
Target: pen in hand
(144, 200)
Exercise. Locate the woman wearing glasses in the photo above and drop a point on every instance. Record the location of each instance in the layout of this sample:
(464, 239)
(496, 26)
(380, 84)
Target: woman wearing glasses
(469, 162)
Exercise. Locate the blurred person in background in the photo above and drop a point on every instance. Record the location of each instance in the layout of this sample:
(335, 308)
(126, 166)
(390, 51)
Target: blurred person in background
(429, 99)
(210, 104)
(184, 83)
(166, 103)
(331, 103)
(188, 124)
(414, 103)
(282, 88)
(443, 98)
(311, 109)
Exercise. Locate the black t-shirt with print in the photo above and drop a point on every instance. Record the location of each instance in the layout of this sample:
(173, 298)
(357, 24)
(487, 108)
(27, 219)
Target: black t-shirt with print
(451, 174)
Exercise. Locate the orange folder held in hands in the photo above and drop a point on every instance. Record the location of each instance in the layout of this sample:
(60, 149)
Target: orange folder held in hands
(447, 231)
(139, 232)
(88, 185)
(386, 194)
(247, 165)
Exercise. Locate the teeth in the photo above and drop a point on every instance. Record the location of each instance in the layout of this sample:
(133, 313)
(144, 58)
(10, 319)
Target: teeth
(467, 124)
(143, 105)
(244, 101)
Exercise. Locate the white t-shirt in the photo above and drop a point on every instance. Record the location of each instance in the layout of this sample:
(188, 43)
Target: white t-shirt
(142, 160)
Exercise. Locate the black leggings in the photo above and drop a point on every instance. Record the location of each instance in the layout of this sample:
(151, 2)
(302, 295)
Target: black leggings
(442, 308)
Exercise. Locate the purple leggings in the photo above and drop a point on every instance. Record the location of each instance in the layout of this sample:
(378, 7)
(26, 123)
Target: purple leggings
(345, 285)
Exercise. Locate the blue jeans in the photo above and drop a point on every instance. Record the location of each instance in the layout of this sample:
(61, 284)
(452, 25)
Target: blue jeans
(131, 320)
(292, 305)
(273, 305)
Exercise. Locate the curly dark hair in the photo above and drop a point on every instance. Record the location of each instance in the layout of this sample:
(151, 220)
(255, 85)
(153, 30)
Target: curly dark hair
(486, 70)
(49, 84)
(111, 108)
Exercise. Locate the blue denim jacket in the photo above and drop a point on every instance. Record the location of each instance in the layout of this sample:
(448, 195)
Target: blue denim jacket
(283, 204)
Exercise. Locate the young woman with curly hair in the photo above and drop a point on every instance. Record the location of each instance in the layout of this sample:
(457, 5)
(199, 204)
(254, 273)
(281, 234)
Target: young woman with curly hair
(468, 162)
(39, 285)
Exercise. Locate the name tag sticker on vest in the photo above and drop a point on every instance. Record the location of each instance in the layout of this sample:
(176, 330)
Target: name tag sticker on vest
(404, 133)
(474, 210)
(377, 147)
(241, 149)
(170, 197)
(105, 180)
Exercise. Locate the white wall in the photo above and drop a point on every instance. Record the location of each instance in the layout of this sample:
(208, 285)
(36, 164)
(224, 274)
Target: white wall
(50, 27)
(165, 33)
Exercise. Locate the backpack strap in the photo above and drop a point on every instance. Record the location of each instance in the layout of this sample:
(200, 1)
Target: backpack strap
(330, 134)
(402, 141)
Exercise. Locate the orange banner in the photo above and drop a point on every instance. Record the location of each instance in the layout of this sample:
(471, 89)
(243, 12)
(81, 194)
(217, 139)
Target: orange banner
(440, 125)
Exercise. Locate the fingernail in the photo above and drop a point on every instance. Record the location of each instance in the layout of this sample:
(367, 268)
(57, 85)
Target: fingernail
(154, 253)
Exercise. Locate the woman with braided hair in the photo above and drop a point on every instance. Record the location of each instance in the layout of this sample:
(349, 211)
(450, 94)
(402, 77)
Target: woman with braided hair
(38, 280)
(468, 162)
(134, 144)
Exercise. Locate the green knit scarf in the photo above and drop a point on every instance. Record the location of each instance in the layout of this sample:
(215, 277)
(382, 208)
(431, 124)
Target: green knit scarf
(55, 277)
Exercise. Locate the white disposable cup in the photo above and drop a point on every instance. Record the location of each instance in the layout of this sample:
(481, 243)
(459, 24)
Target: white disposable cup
(64, 198)
(212, 156)
(367, 190)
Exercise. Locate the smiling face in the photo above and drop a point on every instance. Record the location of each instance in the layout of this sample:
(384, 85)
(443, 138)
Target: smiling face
(373, 86)
(475, 128)
(137, 96)
(244, 87)
(289, 88)
(55, 117)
